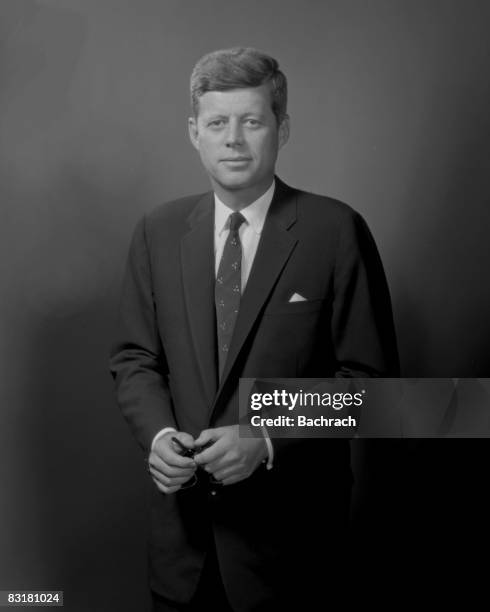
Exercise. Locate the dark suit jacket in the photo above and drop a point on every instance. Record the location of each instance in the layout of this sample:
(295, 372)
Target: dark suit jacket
(164, 363)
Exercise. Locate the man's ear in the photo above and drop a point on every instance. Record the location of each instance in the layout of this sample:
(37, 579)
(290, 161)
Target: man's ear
(193, 133)
(284, 131)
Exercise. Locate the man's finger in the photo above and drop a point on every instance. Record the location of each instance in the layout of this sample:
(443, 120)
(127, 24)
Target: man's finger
(229, 471)
(168, 455)
(159, 478)
(166, 490)
(213, 453)
(168, 470)
(222, 462)
(233, 479)
(208, 435)
(186, 439)
(166, 481)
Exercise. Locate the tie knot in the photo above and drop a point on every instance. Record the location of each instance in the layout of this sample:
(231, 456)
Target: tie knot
(236, 219)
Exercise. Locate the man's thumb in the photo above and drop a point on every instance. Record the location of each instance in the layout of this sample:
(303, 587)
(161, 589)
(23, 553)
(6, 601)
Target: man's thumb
(186, 439)
(208, 435)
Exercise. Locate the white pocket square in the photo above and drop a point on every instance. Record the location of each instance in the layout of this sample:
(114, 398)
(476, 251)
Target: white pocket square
(296, 297)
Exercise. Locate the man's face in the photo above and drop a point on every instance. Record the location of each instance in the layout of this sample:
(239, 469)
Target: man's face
(237, 136)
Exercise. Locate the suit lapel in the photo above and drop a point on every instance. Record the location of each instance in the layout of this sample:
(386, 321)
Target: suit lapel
(275, 247)
(197, 259)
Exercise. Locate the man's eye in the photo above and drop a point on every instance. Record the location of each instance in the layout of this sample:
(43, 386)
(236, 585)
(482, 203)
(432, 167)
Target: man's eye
(216, 123)
(252, 122)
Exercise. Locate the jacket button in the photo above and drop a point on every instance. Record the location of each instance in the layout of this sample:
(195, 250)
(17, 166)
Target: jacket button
(213, 492)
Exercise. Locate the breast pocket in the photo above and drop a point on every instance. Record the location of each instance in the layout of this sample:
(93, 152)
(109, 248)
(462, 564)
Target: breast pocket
(290, 308)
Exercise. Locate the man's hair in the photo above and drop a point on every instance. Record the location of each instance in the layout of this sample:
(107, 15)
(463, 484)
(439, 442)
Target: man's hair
(238, 68)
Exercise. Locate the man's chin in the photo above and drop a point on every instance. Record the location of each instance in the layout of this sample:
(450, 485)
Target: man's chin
(234, 183)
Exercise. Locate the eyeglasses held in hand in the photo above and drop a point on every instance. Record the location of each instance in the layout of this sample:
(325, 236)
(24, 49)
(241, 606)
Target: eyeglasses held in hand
(185, 451)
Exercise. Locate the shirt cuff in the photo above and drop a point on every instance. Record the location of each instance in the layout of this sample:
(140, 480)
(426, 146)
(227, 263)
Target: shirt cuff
(270, 448)
(161, 433)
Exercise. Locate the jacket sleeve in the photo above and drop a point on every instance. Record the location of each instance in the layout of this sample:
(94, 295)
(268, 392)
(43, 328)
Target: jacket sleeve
(138, 362)
(362, 325)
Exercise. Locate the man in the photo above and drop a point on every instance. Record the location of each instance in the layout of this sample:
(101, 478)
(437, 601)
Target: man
(254, 279)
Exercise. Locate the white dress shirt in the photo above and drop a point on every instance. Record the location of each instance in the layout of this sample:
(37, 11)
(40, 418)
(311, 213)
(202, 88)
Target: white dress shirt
(249, 232)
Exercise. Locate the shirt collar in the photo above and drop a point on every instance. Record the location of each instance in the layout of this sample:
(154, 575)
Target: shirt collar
(255, 213)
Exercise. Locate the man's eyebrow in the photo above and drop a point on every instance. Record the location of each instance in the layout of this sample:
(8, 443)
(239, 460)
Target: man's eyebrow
(214, 116)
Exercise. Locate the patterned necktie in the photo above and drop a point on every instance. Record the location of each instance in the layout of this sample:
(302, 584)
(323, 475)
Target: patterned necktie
(227, 290)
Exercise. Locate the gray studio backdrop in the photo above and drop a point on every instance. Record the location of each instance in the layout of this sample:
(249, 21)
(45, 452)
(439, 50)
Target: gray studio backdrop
(389, 107)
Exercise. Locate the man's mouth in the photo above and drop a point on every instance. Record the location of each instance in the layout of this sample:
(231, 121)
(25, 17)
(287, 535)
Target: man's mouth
(236, 159)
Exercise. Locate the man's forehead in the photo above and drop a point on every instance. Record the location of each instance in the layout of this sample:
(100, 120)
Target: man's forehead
(236, 100)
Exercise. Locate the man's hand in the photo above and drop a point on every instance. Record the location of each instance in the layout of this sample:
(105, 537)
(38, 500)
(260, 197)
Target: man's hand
(230, 458)
(168, 468)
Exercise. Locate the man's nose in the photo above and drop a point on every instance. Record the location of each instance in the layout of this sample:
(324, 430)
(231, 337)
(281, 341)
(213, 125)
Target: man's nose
(234, 134)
